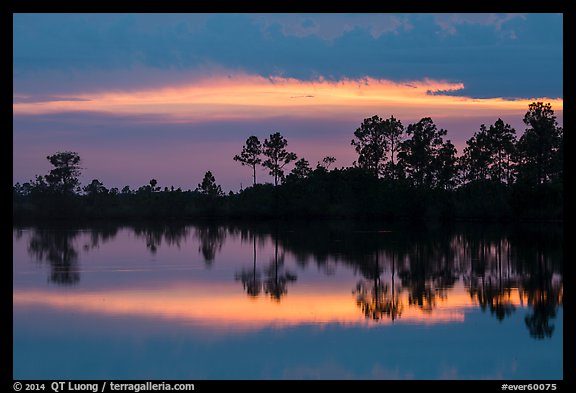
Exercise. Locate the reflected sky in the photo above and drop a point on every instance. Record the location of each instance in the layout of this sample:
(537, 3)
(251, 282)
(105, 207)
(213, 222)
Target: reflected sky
(196, 302)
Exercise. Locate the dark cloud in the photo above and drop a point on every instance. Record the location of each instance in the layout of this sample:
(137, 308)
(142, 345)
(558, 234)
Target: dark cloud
(493, 55)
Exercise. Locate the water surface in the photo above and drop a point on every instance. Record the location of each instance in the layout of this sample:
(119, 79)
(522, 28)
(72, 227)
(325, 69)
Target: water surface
(277, 300)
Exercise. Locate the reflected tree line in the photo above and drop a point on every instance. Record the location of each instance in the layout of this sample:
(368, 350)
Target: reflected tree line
(276, 280)
(376, 297)
(58, 247)
(399, 267)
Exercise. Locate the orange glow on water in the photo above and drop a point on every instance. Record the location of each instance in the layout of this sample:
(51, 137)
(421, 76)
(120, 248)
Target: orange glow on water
(224, 307)
(253, 97)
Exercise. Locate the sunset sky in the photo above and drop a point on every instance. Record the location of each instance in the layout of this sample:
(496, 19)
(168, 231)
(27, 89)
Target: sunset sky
(170, 96)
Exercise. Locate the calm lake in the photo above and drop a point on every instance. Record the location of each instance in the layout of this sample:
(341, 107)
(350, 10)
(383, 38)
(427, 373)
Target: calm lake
(287, 300)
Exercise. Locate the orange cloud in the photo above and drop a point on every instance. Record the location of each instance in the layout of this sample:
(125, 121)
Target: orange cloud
(256, 97)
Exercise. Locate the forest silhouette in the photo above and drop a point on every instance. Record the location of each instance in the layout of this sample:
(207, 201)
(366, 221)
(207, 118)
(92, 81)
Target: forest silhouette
(411, 172)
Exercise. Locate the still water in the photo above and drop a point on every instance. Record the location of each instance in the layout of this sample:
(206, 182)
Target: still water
(278, 300)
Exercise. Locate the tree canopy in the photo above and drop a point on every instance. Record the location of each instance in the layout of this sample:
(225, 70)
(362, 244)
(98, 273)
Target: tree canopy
(63, 178)
(250, 155)
(419, 153)
(277, 156)
(209, 186)
(539, 147)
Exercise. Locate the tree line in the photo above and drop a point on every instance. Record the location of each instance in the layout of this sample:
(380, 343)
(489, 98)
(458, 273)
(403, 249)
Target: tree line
(400, 172)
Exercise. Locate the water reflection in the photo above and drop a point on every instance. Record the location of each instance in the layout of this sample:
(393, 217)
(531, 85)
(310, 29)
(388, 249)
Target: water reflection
(56, 247)
(378, 299)
(544, 293)
(211, 239)
(250, 277)
(277, 277)
(399, 270)
(153, 235)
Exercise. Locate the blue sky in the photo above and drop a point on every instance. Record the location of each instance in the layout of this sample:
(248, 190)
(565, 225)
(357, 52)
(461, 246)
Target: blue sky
(495, 55)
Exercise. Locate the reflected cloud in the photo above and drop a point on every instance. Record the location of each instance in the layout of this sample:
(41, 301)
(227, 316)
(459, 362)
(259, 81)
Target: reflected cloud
(220, 307)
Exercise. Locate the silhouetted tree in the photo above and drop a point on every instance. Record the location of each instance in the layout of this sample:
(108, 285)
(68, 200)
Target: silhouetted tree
(209, 186)
(301, 169)
(557, 164)
(250, 155)
(95, 188)
(489, 153)
(394, 136)
(539, 144)
(419, 154)
(370, 144)
(326, 162)
(36, 186)
(64, 177)
(446, 166)
(153, 183)
(476, 156)
(503, 138)
(278, 156)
